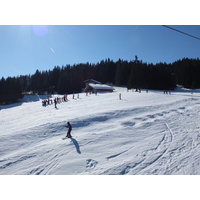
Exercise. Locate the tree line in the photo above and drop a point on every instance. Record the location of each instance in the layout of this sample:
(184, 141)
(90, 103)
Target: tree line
(133, 74)
(10, 90)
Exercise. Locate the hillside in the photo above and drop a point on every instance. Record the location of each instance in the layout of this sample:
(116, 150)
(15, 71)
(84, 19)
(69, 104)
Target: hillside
(144, 133)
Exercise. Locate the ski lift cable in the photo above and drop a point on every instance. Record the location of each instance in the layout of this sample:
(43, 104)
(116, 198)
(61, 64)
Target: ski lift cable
(181, 32)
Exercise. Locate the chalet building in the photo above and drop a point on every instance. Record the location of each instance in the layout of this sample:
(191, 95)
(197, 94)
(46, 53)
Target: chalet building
(98, 88)
(88, 81)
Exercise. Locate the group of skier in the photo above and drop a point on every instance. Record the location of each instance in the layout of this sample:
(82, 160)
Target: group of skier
(56, 100)
(166, 92)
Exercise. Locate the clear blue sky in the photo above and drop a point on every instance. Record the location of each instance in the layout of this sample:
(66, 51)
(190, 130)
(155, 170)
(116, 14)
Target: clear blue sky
(24, 49)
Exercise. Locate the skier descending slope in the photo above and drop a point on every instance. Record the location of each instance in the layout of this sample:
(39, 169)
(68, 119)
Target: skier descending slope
(69, 130)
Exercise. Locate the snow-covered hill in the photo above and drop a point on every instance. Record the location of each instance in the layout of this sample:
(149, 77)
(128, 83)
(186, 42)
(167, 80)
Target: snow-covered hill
(144, 133)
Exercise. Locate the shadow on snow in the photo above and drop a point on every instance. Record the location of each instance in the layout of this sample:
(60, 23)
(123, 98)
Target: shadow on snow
(76, 145)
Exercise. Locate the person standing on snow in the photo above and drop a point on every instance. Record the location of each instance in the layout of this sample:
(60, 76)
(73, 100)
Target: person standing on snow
(69, 130)
(55, 102)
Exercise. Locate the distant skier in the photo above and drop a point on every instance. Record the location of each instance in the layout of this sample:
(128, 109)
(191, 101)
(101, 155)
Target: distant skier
(55, 102)
(69, 130)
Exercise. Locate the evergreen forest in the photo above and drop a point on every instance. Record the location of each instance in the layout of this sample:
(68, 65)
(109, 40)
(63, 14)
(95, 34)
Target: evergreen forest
(134, 74)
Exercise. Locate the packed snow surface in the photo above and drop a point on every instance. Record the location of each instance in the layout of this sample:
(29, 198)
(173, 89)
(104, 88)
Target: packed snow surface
(143, 133)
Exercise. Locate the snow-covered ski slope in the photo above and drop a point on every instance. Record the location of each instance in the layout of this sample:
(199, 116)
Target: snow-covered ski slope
(144, 133)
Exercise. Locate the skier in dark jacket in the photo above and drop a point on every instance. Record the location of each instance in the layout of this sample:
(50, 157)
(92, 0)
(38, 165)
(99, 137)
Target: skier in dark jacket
(69, 130)
(55, 102)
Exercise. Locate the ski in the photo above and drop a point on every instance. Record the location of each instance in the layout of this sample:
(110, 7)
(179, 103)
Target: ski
(66, 138)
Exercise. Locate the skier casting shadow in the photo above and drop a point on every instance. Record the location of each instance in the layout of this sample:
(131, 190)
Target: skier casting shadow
(72, 139)
(69, 130)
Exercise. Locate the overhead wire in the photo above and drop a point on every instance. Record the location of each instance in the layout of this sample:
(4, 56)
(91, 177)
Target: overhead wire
(181, 32)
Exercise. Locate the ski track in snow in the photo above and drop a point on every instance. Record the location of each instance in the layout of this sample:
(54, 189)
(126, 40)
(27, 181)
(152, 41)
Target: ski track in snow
(147, 133)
